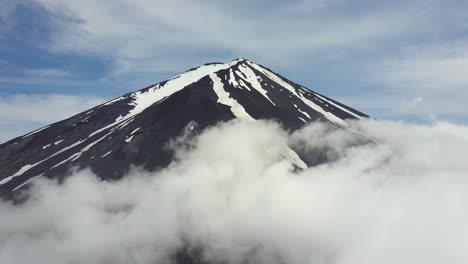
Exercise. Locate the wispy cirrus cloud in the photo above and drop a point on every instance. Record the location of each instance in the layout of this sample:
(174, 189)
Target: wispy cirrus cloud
(48, 72)
(38, 81)
(428, 81)
(429, 67)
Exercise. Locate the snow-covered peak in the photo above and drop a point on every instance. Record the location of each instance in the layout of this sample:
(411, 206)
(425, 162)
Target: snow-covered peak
(146, 97)
(241, 74)
(209, 94)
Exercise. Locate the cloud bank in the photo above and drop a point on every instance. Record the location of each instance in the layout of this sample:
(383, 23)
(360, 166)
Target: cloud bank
(401, 200)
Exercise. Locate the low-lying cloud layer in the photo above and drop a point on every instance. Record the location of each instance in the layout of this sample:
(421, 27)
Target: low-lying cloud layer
(401, 200)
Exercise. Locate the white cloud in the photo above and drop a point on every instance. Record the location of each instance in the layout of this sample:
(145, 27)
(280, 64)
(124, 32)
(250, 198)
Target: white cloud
(394, 47)
(49, 73)
(436, 67)
(23, 113)
(433, 72)
(398, 201)
(49, 81)
(151, 33)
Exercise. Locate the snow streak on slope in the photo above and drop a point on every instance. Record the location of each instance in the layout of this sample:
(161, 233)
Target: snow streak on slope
(338, 106)
(21, 171)
(233, 81)
(225, 98)
(143, 99)
(27, 167)
(311, 104)
(252, 78)
(35, 131)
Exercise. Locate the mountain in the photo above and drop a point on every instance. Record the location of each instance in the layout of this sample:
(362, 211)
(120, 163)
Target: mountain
(135, 128)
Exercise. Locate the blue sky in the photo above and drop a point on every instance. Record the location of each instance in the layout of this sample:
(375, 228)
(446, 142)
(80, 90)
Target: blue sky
(401, 60)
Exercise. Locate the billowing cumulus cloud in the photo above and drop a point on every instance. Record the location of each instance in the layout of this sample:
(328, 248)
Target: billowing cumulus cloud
(398, 198)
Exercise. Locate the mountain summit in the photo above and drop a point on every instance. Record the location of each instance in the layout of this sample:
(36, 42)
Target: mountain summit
(135, 128)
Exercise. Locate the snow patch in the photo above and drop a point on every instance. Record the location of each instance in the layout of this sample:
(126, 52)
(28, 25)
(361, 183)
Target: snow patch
(292, 156)
(27, 181)
(107, 153)
(143, 99)
(85, 119)
(115, 100)
(304, 113)
(252, 78)
(339, 107)
(225, 99)
(35, 131)
(128, 140)
(28, 167)
(331, 117)
(134, 131)
(18, 173)
(78, 154)
(232, 79)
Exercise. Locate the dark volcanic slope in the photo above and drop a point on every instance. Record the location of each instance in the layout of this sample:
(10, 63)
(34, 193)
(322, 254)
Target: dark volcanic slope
(134, 128)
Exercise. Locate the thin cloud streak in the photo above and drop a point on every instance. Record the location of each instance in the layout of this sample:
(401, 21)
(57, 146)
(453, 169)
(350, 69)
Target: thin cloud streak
(48, 72)
(46, 81)
(20, 114)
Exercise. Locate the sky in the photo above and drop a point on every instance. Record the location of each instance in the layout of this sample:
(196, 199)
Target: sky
(398, 60)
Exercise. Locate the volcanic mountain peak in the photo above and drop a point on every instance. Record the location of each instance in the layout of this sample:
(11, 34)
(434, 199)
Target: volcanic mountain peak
(243, 74)
(135, 128)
